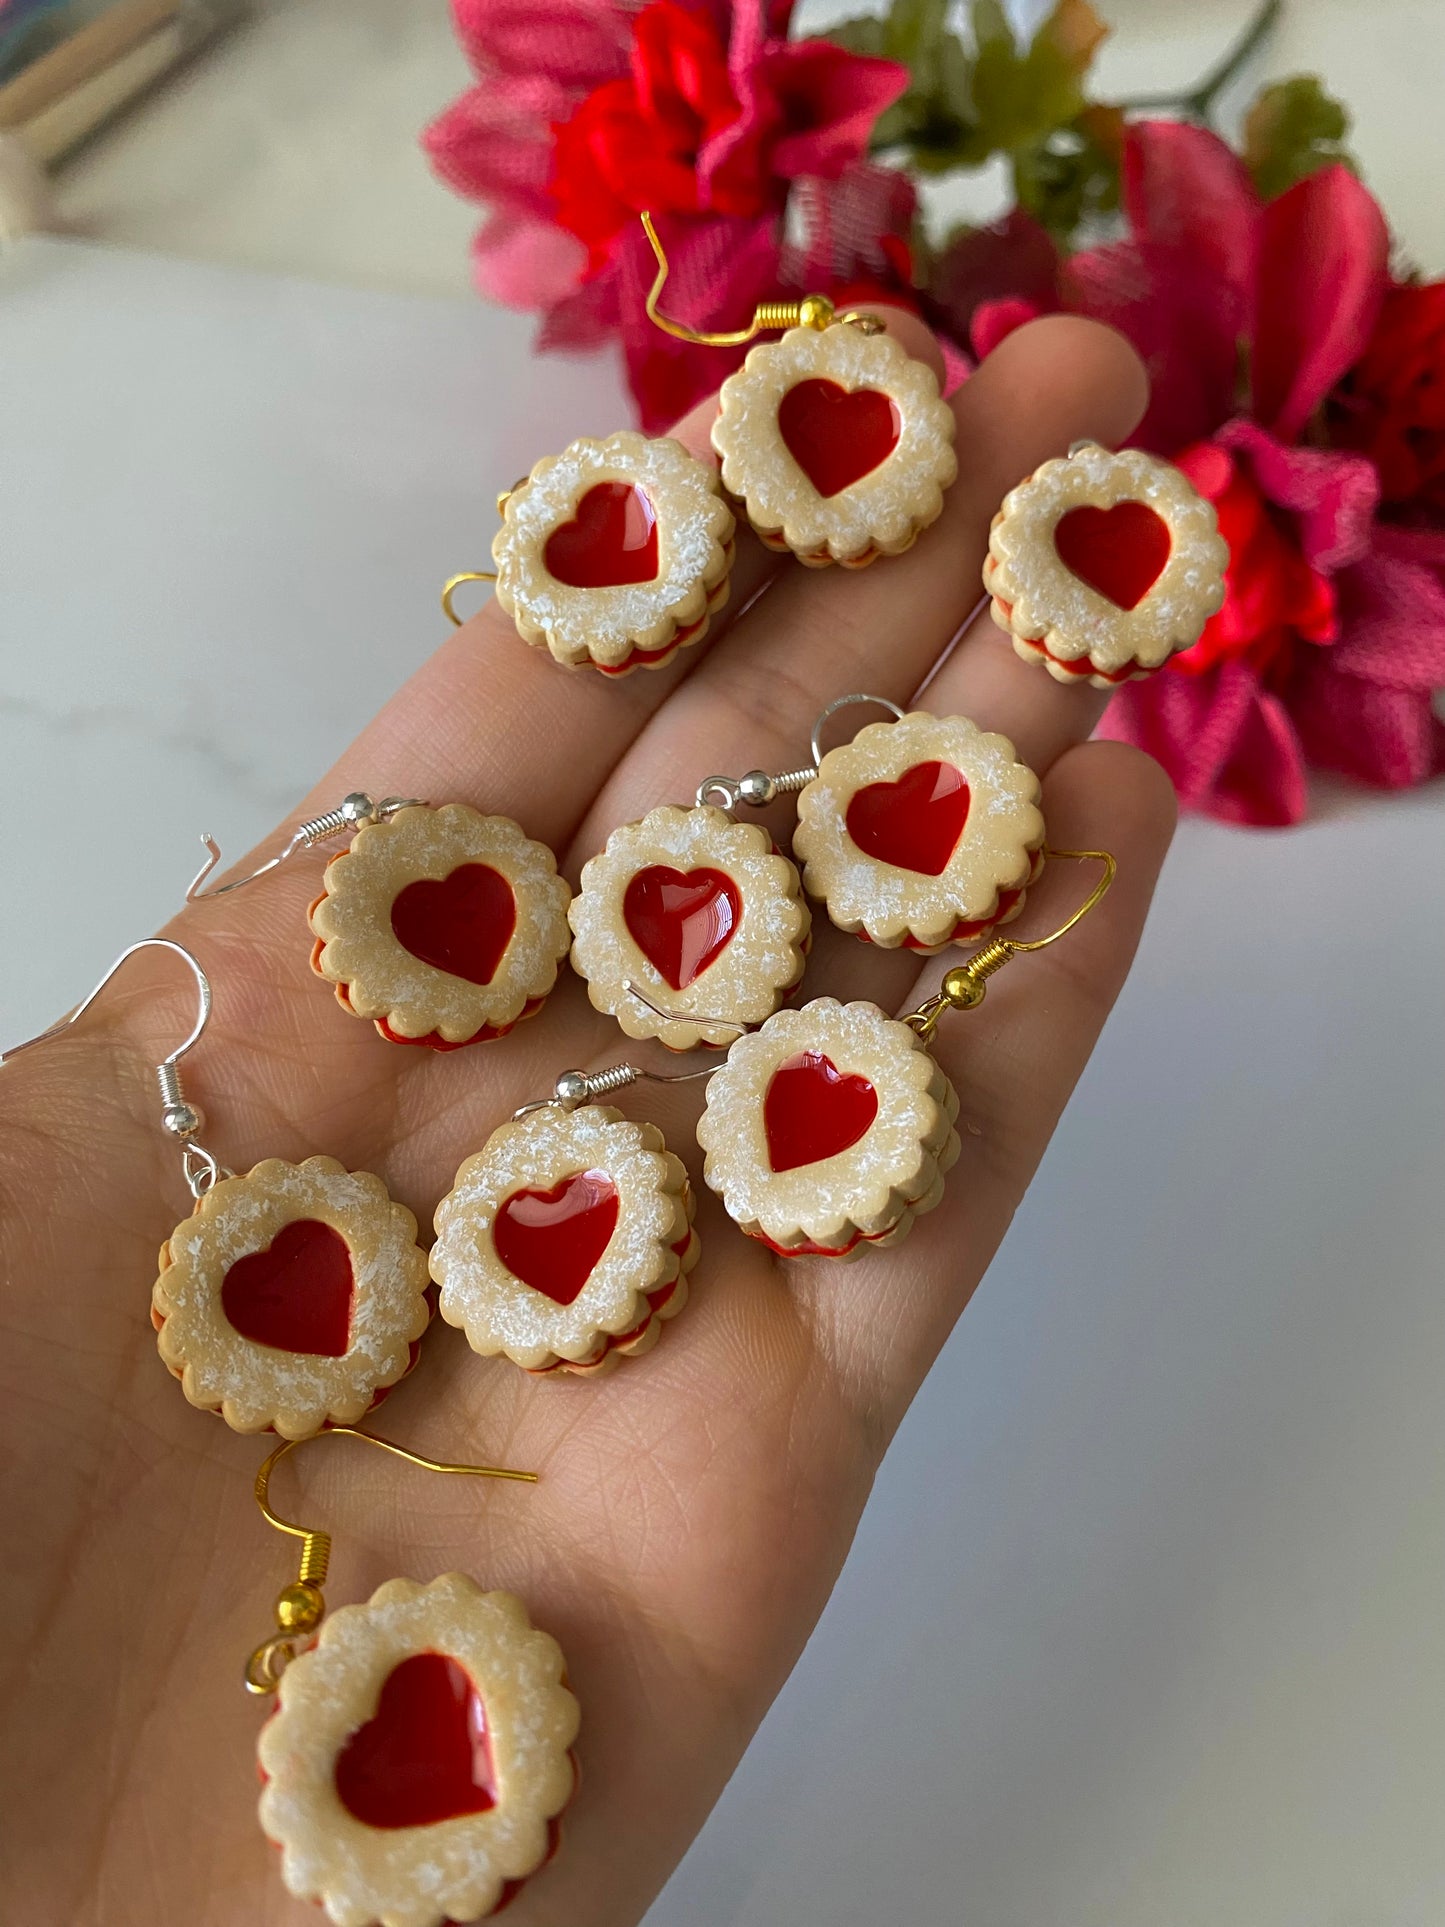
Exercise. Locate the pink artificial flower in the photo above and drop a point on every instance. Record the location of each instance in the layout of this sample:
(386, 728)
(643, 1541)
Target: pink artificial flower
(1248, 317)
(586, 112)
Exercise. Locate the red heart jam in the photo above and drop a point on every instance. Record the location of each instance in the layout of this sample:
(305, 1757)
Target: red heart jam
(837, 435)
(552, 1240)
(460, 923)
(296, 1294)
(681, 923)
(611, 544)
(1120, 552)
(812, 1111)
(915, 823)
(425, 1756)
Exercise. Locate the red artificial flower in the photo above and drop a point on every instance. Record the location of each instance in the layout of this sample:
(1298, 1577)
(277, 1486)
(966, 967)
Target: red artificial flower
(586, 112)
(1250, 317)
(1273, 594)
(1391, 405)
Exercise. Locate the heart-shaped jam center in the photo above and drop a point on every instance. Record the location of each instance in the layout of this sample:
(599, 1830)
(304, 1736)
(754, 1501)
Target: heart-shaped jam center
(425, 1756)
(681, 921)
(552, 1240)
(812, 1111)
(296, 1294)
(837, 435)
(915, 823)
(460, 923)
(612, 542)
(1120, 552)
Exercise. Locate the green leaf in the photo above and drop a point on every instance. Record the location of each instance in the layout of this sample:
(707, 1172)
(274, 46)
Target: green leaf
(964, 106)
(1070, 177)
(867, 35)
(1293, 130)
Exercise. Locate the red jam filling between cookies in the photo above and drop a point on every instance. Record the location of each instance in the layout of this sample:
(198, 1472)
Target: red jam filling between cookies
(681, 922)
(915, 823)
(1120, 552)
(553, 1240)
(814, 1111)
(461, 923)
(425, 1756)
(612, 543)
(296, 1295)
(837, 435)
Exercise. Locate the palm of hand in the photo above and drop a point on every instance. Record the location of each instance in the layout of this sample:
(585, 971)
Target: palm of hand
(694, 1507)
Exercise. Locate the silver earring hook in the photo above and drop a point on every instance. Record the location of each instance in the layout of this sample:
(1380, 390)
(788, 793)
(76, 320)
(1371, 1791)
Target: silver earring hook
(575, 1088)
(179, 1118)
(758, 789)
(846, 702)
(680, 1016)
(354, 812)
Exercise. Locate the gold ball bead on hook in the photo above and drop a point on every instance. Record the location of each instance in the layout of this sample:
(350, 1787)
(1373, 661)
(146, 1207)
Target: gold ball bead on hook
(962, 989)
(299, 1607)
(815, 311)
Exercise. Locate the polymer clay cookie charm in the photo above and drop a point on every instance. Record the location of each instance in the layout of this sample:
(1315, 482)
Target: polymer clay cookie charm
(837, 443)
(443, 926)
(615, 552)
(689, 913)
(567, 1240)
(1102, 566)
(419, 1755)
(292, 1297)
(828, 1130)
(921, 832)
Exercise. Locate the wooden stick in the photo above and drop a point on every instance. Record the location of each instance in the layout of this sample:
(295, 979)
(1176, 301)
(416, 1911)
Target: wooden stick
(86, 53)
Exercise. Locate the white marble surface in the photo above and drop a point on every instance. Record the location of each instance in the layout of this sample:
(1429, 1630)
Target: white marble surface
(1143, 1626)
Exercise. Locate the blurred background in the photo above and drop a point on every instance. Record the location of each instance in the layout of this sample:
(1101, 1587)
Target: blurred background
(1143, 1626)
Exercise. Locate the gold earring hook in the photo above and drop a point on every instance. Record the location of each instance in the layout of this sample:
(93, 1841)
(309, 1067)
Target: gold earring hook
(812, 311)
(468, 575)
(301, 1606)
(964, 985)
(179, 1119)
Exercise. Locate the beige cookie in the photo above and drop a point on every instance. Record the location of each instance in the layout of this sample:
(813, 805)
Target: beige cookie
(828, 1128)
(615, 552)
(1102, 566)
(700, 914)
(837, 443)
(292, 1297)
(565, 1239)
(920, 832)
(443, 926)
(419, 1756)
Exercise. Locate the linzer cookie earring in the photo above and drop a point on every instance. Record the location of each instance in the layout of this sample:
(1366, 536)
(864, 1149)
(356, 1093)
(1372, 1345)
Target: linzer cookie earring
(837, 443)
(567, 1240)
(922, 832)
(692, 910)
(293, 1297)
(444, 927)
(830, 1129)
(614, 553)
(1102, 566)
(418, 1757)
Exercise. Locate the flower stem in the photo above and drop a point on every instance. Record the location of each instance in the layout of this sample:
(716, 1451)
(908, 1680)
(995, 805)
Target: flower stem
(1198, 102)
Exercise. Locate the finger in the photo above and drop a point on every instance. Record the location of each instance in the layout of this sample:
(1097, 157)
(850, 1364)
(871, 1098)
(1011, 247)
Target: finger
(816, 634)
(1014, 1062)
